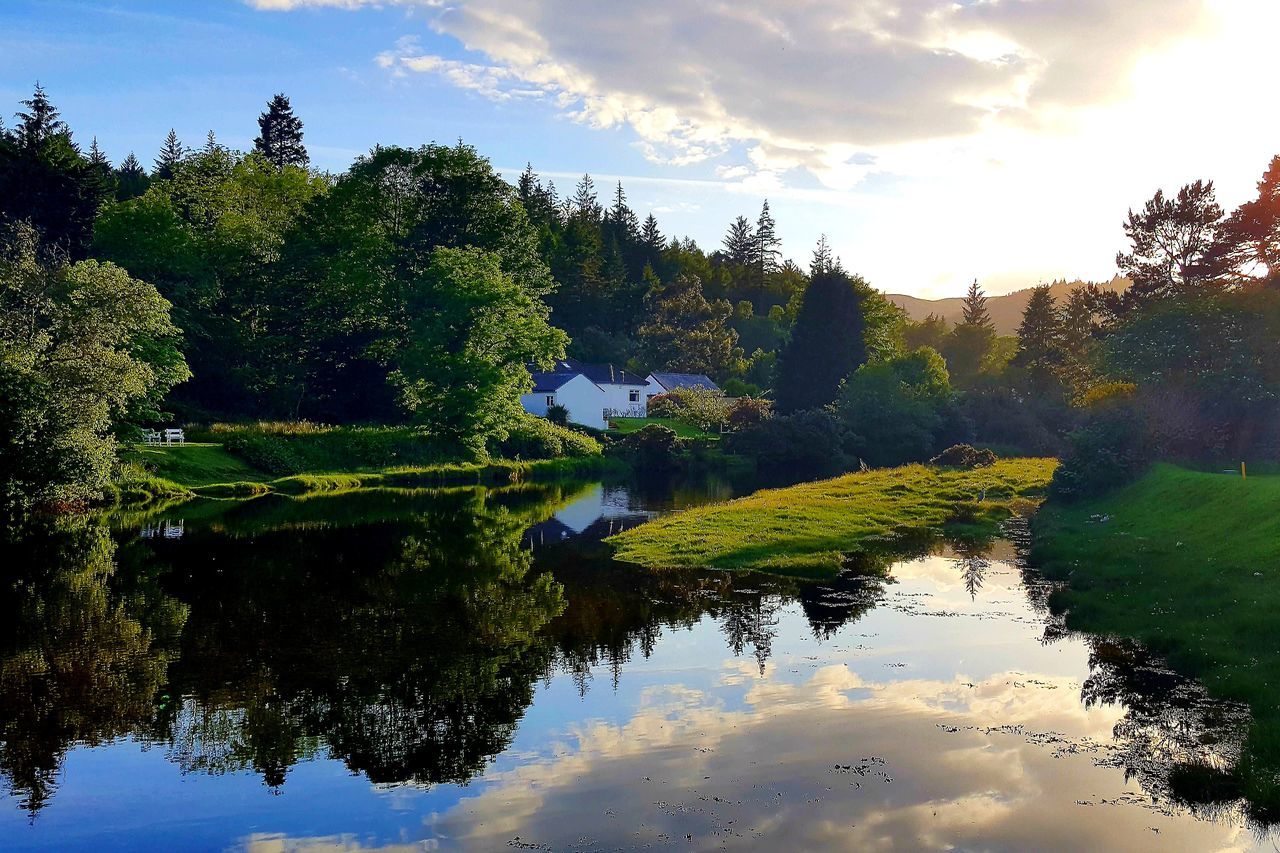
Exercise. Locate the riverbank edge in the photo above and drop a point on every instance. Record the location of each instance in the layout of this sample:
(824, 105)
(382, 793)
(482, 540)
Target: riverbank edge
(1186, 563)
(810, 529)
(137, 490)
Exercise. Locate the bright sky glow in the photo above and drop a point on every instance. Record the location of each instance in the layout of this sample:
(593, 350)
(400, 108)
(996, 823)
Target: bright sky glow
(933, 141)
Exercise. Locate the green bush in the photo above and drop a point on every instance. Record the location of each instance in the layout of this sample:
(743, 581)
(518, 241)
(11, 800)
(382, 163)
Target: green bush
(1109, 452)
(267, 453)
(654, 448)
(536, 438)
(964, 456)
(745, 411)
(808, 442)
(283, 449)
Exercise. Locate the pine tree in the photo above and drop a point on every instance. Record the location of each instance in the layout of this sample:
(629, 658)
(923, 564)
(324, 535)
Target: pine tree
(171, 154)
(40, 123)
(280, 135)
(823, 260)
(650, 236)
(975, 308)
(1079, 341)
(584, 202)
(1040, 353)
(740, 242)
(131, 179)
(827, 341)
(100, 168)
(768, 246)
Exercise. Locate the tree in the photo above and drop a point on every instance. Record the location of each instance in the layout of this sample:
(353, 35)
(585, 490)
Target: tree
(171, 154)
(279, 137)
(1175, 247)
(131, 179)
(827, 343)
(686, 332)
(898, 410)
(930, 332)
(824, 260)
(768, 249)
(472, 330)
(972, 342)
(740, 243)
(1040, 355)
(650, 235)
(81, 345)
(101, 174)
(44, 180)
(975, 308)
(1251, 235)
(1079, 341)
(584, 202)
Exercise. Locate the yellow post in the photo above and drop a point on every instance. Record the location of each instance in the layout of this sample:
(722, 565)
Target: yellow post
(1243, 474)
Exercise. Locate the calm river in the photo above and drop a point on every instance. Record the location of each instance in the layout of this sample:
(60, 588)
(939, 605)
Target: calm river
(466, 669)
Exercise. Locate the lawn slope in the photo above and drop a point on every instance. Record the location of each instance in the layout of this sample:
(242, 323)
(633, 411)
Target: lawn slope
(808, 529)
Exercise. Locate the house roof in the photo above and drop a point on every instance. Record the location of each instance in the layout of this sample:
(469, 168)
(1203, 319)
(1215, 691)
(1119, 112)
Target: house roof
(672, 381)
(545, 383)
(600, 374)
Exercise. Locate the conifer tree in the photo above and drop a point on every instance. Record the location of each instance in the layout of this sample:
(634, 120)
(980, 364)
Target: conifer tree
(40, 123)
(823, 260)
(650, 235)
(768, 251)
(740, 242)
(584, 202)
(280, 135)
(1040, 353)
(975, 308)
(101, 171)
(171, 154)
(131, 179)
(827, 340)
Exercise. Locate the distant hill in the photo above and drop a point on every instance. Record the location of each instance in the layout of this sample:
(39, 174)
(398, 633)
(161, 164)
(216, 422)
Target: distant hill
(1006, 311)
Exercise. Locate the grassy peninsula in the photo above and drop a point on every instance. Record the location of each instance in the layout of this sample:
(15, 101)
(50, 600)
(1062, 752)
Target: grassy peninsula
(1188, 563)
(807, 529)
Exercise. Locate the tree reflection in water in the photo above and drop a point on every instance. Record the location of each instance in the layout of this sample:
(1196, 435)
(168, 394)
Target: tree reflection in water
(404, 634)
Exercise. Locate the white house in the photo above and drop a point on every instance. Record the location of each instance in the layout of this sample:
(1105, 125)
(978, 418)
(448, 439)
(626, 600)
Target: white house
(592, 393)
(665, 383)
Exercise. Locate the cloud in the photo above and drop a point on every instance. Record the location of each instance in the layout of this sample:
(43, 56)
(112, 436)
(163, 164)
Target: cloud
(838, 89)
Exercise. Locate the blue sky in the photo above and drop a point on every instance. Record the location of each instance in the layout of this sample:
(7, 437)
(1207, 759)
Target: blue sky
(934, 142)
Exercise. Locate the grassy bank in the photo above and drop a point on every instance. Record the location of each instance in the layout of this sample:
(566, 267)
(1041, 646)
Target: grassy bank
(626, 426)
(808, 529)
(1188, 563)
(210, 470)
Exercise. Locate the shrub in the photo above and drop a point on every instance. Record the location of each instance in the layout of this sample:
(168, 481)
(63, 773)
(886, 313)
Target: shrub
(1109, 452)
(653, 448)
(269, 453)
(536, 438)
(807, 441)
(745, 411)
(702, 408)
(558, 414)
(1034, 425)
(964, 456)
(736, 387)
(664, 406)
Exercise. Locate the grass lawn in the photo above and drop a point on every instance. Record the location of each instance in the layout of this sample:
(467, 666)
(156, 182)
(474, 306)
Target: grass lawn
(193, 465)
(1188, 563)
(807, 529)
(625, 426)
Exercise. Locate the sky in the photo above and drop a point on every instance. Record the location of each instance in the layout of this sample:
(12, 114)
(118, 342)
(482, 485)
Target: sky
(933, 141)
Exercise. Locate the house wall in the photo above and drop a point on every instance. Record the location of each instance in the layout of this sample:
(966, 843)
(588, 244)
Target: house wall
(582, 397)
(618, 398)
(653, 389)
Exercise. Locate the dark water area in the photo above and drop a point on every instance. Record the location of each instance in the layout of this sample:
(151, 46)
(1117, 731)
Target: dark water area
(467, 669)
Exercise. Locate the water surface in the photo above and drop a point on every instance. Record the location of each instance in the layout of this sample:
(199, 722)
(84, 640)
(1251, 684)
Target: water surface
(466, 669)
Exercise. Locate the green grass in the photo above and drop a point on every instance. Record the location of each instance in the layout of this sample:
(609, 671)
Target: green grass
(626, 426)
(209, 470)
(1188, 563)
(808, 529)
(193, 465)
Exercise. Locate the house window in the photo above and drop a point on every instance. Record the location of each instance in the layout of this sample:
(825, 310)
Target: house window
(634, 396)
(551, 399)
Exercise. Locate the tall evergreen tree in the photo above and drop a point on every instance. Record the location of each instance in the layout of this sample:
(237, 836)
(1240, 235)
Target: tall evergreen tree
(131, 179)
(622, 219)
(171, 154)
(827, 342)
(46, 181)
(824, 261)
(975, 308)
(650, 235)
(1040, 345)
(740, 242)
(100, 169)
(584, 201)
(768, 247)
(280, 135)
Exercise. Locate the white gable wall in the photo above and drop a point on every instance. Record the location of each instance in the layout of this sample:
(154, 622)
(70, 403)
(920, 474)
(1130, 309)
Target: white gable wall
(618, 399)
(582, 397)
(653, 388)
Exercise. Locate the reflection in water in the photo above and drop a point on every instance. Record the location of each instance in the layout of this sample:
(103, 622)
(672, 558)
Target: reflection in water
(427, 641)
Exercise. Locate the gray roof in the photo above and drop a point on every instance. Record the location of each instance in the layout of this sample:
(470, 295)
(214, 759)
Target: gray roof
(567, 368)
(672, 381)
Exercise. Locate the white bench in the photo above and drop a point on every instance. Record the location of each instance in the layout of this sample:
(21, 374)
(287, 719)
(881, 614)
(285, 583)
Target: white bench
(174, 436)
